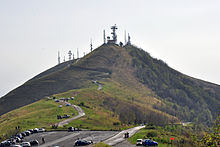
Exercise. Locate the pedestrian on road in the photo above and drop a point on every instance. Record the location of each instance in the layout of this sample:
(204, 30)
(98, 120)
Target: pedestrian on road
(43, 140)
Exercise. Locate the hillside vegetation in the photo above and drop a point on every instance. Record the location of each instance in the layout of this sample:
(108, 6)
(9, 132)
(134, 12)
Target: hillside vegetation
(136, 88)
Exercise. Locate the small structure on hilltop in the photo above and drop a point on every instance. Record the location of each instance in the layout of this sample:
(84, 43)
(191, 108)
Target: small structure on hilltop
(91, 45)
(70, 54)
(114, 36)
(58, 57)
(129, 40)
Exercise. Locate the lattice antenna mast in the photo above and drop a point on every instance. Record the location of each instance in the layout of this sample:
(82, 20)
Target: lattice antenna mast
(125, 38)
(70, 54)
(77, 53)
(58, 57)
(129, 39)
(114, 36)
(104, 39)
(91, 45)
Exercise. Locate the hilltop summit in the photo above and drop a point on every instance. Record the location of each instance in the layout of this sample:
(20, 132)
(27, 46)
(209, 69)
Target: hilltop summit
(163, 91)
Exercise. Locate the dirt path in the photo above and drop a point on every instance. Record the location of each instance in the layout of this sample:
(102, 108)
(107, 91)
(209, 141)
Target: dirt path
(80, 114)
(120, 136)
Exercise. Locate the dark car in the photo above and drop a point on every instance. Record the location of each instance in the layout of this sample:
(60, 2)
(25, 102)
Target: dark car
(66, 116)
(5, 143)
(23, 134)
(148, 142)
(82, 142)
(34, 142)
(71, 129)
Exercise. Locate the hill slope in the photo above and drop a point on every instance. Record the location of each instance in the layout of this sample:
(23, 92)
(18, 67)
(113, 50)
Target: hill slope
(160, 88)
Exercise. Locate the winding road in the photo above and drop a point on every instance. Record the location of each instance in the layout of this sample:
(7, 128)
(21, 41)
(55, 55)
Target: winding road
(120, 136)
(66, 121)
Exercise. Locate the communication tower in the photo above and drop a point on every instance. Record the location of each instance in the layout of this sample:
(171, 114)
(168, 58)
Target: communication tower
(114, 36)
(91, 45)
(70, 54)
(58, 57)
(129, 39)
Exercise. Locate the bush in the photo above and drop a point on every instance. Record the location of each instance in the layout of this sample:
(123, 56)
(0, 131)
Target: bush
(152, 134)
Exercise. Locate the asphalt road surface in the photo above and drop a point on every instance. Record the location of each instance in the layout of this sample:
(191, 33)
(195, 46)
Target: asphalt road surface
(67, 139)
(120, 136)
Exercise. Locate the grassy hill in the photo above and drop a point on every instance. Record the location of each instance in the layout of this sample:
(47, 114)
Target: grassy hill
(136, 89)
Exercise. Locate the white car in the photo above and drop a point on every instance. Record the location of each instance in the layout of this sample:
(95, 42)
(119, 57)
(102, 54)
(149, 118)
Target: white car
(25, 144)
(139, 142)
(41, 130)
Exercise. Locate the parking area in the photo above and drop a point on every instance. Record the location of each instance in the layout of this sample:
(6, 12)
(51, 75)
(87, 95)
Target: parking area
(67, 139)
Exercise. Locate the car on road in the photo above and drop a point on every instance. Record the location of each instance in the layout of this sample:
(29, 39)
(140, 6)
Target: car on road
(36, 130)
(148, 142)
(139, 142)
(34, 142)
(66, 116)
(25, 144)
(82, 142)
(41, 130)
(16, 145)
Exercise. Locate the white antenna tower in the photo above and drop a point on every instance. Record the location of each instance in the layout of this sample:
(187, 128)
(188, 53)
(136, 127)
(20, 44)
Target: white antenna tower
(77, 53)
(104, 37)
(70, 54)
(125, 38)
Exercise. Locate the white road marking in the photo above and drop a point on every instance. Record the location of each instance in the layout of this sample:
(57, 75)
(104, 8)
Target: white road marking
(59, 140)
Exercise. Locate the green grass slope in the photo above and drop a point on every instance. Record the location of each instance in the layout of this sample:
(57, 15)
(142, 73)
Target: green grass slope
(137, 88)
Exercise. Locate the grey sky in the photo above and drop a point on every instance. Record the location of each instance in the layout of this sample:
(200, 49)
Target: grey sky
(183, 33)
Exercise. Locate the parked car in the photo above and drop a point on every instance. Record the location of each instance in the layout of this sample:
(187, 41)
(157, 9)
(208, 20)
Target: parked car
(70, 129)
(67, 104)
(27, 133)
(31, 130)
(16, 145)
(59, 117)
(25, 144)
(36, 130)
(148, 142)
(34, 142)
(66, 116)
(41, 130)
(139, 142)
(5, 143)
(23, 134)
(82, 142)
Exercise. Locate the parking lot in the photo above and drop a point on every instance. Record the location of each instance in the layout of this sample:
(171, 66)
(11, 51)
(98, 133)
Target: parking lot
(67, 139)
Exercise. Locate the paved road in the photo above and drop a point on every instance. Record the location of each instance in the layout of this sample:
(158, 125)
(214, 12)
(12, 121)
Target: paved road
(120, 136)
(80, 114)
(67, 139)
(97, 83)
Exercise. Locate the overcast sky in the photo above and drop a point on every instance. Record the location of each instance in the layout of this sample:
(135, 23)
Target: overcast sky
(183, 33)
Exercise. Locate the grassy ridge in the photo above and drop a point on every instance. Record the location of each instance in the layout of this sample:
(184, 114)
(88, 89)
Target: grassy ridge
(181, 135)
(39, 114)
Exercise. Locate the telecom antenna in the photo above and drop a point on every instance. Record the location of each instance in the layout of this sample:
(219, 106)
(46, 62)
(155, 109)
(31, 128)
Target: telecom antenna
(73, 56)
(114, 36)
(58, 57)
(77, 53)
(70, 54)
(129, 39)
(125, 38)
(91, 45)
(104, 36)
